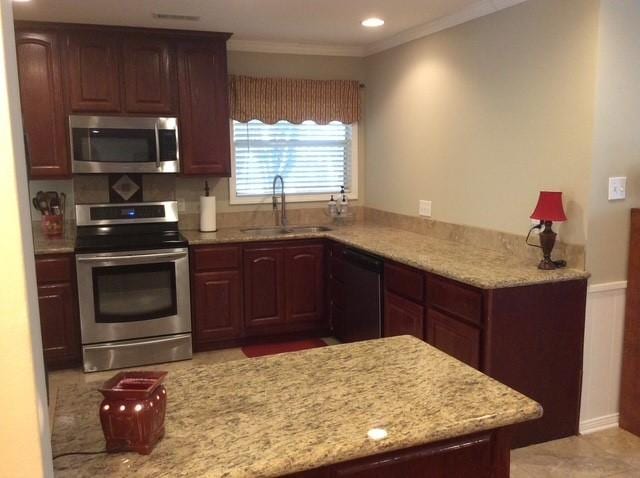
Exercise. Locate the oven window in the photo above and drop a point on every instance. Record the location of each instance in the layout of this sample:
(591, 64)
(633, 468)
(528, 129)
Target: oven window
(134, 293)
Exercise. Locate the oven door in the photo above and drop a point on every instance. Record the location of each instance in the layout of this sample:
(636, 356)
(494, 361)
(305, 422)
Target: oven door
(129, 295)
(119, 144)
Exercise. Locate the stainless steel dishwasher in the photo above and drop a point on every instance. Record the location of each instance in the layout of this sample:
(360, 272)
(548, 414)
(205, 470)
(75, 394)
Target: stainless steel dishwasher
(363, 293)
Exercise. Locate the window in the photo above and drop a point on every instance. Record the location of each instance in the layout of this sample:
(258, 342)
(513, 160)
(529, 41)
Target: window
(314, 160)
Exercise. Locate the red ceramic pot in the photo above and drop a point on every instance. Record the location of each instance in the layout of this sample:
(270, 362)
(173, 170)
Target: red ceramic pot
(132, 412)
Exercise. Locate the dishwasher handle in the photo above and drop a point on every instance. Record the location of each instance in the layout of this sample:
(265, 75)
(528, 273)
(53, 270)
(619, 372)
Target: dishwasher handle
(366, 261)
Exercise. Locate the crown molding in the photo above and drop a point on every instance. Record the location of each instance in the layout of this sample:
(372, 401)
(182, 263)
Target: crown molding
(294, 48)
(476, 10)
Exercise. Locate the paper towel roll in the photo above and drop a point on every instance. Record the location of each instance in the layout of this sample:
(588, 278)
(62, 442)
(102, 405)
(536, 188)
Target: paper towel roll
(207, 213)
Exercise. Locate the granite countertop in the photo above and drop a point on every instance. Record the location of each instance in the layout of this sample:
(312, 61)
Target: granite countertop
(275, 415)
(471, 265)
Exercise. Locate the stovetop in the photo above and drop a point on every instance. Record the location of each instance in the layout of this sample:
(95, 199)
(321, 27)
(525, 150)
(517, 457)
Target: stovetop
(128, 227)
(129, 238)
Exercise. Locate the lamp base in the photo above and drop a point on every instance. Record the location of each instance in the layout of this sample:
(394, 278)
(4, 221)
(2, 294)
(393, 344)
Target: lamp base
(547, 265)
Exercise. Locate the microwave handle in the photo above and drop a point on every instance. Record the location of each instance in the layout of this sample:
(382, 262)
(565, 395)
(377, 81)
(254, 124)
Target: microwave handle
(157, 145)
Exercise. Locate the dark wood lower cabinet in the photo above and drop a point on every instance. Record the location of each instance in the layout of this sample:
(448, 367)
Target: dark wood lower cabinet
(58, 304)
(218, 305)
(402, 317)
(264, 288)
(479, 456)
(455, 337)
(304, 283)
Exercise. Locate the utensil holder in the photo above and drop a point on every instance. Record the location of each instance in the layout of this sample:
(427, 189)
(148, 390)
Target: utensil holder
(52, 225)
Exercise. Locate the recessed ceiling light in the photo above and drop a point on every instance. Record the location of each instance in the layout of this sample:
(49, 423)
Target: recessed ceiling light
(373, 22)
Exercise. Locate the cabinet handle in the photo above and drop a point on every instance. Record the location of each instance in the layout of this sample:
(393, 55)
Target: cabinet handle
(27, 151)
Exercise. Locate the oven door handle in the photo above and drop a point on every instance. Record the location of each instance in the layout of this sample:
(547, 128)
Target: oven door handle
(133, 258)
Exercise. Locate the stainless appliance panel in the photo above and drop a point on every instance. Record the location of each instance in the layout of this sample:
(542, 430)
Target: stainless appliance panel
(152, 125)
(83, 214)
(132, 353)
(93, 330)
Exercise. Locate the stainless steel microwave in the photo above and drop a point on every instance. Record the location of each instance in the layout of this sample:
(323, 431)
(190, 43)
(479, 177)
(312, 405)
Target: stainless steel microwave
(124, 144)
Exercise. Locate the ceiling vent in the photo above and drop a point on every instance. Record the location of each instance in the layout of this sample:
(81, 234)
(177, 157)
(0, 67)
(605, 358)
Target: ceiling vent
(172, 16)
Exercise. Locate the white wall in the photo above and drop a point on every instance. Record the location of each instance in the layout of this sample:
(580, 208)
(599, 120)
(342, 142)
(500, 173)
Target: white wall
(25, 449)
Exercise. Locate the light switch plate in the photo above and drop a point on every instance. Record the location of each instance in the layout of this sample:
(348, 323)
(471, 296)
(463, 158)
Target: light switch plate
(182, 205)
(617, 188)
(424, 208)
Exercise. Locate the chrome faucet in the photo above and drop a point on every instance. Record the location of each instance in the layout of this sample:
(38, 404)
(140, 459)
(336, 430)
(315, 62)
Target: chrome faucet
(283, 211)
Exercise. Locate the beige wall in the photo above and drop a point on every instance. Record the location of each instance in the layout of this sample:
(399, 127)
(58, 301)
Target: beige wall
(616, 139)
(480, 117)
(25, 450)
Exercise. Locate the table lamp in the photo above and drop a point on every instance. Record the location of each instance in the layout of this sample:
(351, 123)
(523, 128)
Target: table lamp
(548, 210)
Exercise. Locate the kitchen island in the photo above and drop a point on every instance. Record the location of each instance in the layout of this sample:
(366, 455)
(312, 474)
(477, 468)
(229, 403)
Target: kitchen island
(310, 414)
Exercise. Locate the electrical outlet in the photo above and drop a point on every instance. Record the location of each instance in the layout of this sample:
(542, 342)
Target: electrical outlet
(182, 205)
(617, 188)
(424, 208)
(535, 222)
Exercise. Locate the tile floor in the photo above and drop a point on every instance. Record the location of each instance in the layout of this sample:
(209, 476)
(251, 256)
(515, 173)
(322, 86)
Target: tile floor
(610, 453)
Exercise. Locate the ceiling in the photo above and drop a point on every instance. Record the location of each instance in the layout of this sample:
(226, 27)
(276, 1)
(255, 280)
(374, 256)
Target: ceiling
(309, 22)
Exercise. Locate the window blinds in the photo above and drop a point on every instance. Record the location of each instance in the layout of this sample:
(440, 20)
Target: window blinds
(312, 158)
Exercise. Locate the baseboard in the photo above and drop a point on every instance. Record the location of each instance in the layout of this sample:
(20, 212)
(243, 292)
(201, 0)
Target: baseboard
(598, 424)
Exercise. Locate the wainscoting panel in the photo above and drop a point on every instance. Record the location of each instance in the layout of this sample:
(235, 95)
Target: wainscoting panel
(604, 329)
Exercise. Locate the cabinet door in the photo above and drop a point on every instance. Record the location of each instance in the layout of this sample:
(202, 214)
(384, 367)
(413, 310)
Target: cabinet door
(264, 293)
(402, 317)
(43, 115)
(93, 72)
(58, 323)
(304, 278)
(217, 314)
(456, 338)
(204, 109)
(149, 75)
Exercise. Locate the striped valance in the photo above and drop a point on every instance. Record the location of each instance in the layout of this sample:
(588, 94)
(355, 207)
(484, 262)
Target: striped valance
(274, 99)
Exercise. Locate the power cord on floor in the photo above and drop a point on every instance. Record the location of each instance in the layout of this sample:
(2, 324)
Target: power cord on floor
(79, 453)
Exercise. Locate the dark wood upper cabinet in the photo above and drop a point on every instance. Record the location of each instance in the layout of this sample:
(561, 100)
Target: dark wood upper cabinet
(304, 277)
(149, 75)
(42, 100)
(264, 292)
(93, 71)
(204, 109)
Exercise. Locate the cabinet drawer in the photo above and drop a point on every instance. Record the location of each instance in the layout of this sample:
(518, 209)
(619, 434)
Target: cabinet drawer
(54, 269)
(212, 258)
(404, 281)
(455, 298)
(454, 337)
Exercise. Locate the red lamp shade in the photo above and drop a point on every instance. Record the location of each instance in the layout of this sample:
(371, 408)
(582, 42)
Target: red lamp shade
(549, 207)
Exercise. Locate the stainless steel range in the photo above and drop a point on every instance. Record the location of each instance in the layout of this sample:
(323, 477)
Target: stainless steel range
(133, 285)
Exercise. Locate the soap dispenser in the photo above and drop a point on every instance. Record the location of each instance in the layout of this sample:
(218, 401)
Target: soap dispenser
(344, 202)
(332, 207)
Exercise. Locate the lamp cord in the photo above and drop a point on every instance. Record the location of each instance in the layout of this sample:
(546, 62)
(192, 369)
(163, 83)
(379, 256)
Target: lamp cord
(537, 226)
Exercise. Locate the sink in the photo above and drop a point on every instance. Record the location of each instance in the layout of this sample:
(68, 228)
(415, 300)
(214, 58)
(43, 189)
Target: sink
(307, 229)
(280, 231)
(265, 231)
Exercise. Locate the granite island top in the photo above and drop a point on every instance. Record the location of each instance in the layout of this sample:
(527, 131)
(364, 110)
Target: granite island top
(471, 265)
(275, 415)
